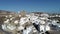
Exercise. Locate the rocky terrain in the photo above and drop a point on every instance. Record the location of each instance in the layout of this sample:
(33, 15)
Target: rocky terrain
(18, 21)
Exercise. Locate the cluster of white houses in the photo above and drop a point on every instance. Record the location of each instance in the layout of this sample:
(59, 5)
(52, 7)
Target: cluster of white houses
(32, 23)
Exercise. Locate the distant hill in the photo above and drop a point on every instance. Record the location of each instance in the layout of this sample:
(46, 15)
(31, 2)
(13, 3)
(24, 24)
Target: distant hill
(38, 12)
(4, 13)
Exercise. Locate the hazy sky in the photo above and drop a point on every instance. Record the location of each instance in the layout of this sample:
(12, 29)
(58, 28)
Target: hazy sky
(31, 5)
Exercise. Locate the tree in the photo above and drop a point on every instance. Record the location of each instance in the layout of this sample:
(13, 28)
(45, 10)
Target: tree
(23, 13)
